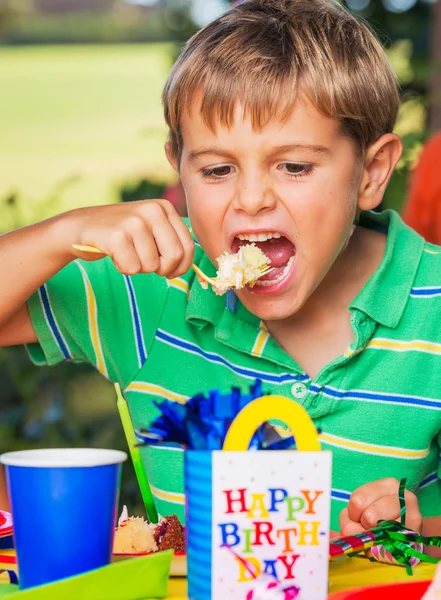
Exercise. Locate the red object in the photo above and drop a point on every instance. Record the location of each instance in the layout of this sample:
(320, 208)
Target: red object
(176, 195)
(5, 524)
(423, 208)
(6, 559)
(396, 591)
(355, 543)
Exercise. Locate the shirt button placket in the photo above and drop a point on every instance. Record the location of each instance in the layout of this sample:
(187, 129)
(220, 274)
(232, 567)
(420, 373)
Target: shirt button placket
(299, 390)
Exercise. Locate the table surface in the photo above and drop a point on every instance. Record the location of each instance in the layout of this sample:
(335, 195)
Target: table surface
(344, 573)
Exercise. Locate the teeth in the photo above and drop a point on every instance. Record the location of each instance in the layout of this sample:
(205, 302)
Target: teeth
(259, 237)
(279, 278)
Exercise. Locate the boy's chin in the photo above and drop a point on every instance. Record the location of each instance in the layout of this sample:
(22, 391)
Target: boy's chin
(268, 308)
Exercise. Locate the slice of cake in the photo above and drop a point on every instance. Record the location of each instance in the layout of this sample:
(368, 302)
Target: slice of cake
(238, 270)
(135, 536)
(170, 534)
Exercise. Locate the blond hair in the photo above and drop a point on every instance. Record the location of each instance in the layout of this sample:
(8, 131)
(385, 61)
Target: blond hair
(262, 52)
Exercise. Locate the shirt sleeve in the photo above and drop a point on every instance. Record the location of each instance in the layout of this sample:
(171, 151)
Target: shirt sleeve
(89, 312)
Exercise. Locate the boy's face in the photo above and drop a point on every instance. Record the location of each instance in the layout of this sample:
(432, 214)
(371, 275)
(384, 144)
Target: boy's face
(294, 185)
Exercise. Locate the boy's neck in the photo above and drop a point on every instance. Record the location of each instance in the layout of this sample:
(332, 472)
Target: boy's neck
(321, 331)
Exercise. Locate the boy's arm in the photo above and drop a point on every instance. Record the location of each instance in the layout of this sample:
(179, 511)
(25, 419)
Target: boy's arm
(140, 237)
(18, 329)
(28, 257)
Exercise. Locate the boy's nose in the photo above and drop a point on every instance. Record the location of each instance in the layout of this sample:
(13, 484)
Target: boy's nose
(254, 196)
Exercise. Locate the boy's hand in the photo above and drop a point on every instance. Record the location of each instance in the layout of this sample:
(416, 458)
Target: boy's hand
(140, 237)
(378, 500)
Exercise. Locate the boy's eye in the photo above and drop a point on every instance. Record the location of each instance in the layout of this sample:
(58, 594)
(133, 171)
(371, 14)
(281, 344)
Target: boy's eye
(217, 172)
(296, 169)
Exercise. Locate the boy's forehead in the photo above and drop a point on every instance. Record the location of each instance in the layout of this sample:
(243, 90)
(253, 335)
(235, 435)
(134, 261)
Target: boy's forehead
(302, 122)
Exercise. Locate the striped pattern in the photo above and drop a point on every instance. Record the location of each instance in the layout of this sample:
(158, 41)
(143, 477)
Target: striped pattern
(52, 323)
(377, 397)
(404, 346)
(136, 319)
(215, 358)
(92, 314)
(351, 352)
(161, 393)
(340, 495)
(199, 475)
(173, 498)
(425, 292)
(373, 449)
(431, 478)
(261, 340)
(378, 406)
(179, 284)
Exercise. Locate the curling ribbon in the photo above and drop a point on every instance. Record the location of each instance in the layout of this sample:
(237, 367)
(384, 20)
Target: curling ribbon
(402, 545)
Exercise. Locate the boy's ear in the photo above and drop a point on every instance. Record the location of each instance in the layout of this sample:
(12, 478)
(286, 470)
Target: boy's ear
(380, 161)
(171, 157)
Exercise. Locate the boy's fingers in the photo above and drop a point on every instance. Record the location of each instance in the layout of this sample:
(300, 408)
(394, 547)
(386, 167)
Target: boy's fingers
(125, 257)
(367, 494)
(171, 252)
(387, 508)
(348, 527)
(184, 236)
(147, 252)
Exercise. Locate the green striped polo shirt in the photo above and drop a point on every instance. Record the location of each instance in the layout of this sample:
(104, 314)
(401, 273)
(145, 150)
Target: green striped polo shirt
(378, 405)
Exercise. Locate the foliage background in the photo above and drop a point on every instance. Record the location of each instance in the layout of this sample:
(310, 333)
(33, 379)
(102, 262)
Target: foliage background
(81, 123)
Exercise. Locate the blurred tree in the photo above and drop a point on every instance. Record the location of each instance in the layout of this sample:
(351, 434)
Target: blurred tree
(435, 55)
(54, 6)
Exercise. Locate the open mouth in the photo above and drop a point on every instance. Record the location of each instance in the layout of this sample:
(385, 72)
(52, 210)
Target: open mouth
(278, 248)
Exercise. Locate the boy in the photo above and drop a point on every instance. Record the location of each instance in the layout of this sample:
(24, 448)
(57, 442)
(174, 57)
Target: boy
(281, 115)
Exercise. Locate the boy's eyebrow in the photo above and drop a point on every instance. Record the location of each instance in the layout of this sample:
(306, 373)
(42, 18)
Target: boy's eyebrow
(195, 154)
(314, 148)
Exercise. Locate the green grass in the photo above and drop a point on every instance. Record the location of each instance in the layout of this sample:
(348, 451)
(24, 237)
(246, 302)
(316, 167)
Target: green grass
(87, 115)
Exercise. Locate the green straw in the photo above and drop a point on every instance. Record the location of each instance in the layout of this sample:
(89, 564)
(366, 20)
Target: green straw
(135, 454)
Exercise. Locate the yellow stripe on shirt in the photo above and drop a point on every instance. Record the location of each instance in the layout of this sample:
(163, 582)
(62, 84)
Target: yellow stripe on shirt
(92, 311)
(350, 352)
(261, 340)
(404, 346)
(179, 284)
(375, 449)
(156, 390)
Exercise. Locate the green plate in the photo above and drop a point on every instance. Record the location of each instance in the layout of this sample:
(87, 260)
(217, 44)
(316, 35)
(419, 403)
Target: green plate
(6, 589)
(142, 578)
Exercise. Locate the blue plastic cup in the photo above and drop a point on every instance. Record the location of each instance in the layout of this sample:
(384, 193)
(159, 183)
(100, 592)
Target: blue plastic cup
(64, 504)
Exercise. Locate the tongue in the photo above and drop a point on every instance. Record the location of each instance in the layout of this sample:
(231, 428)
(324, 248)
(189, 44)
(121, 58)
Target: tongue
(279, 250)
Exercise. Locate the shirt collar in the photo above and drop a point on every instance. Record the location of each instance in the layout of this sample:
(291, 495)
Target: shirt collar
(385, 295)
(383, 298)
(204, 306)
